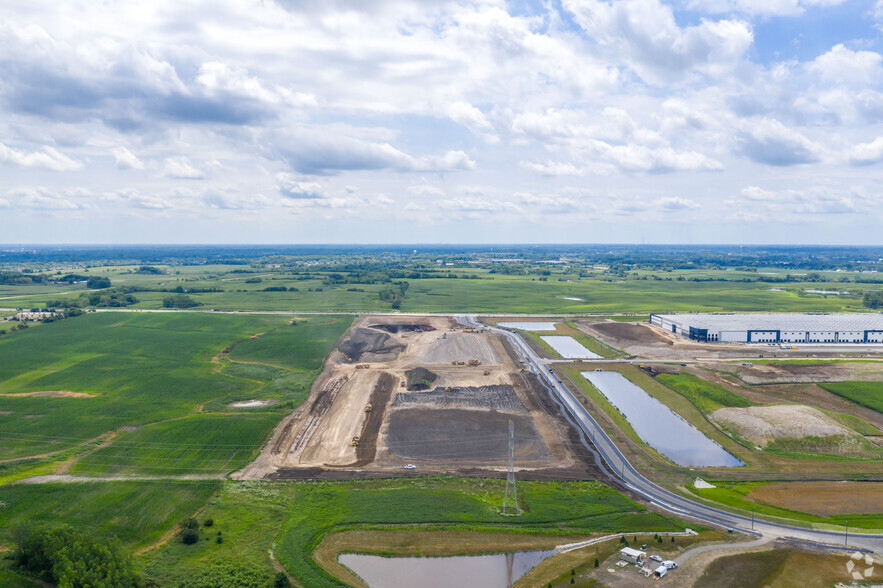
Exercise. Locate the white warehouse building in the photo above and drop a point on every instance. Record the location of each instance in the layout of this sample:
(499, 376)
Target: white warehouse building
(774, 327)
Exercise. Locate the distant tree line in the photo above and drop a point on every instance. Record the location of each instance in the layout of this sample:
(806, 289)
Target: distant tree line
(179, 301)
(394, 294)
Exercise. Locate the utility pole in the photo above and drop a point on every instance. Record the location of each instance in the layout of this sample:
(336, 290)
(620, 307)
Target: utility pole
(752, 518)
(510, 477)
(846, 537)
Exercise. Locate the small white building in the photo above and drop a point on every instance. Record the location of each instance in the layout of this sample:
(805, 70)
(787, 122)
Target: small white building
(635, 556)
(33, 316)
(660, 572)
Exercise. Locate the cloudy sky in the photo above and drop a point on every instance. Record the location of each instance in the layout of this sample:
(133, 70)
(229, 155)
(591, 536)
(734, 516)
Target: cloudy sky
(399, 121)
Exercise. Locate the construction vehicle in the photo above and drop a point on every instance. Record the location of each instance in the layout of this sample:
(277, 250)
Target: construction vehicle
(402, 384)
(368, 407)
(487, 372)
(347, 357)
(363, 366)
(355, 442)
(474, 362)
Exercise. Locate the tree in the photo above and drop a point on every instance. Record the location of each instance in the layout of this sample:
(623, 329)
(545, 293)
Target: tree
(281, 581)
(67, 557)
(873, 299)
(597, 563)
(98, 283)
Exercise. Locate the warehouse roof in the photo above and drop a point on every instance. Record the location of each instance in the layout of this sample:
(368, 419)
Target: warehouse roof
(779, 321)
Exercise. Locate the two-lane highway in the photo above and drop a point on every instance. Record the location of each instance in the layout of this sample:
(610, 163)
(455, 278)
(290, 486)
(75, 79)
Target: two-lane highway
(619, 467)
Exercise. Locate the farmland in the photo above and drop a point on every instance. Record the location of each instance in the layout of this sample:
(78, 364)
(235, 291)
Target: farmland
(146, 370)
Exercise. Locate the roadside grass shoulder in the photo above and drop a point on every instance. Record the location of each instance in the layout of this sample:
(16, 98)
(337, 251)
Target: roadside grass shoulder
(733, 495)
(867, 394)
(705, 395)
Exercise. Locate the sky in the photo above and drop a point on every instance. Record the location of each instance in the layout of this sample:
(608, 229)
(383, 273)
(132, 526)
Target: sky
(418, 121)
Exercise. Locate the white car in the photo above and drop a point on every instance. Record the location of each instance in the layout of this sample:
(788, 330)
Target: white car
(410, 466)
(656, 558)
(670, 564)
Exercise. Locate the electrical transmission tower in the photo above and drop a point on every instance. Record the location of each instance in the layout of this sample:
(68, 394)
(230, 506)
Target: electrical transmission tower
(510, 477)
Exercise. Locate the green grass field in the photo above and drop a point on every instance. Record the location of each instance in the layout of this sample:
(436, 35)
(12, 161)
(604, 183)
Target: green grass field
(296, 516)
(598, 293)
(147, 368)
(136, 513)
(706, 396)
(200, 444)
(869, 394)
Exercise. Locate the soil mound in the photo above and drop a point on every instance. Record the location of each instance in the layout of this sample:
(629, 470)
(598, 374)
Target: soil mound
(368, 342)
(501, 398)
(396, 328)
(420, 378)
(463, 435)
(763, 425)
(460, 347)
(625, 334)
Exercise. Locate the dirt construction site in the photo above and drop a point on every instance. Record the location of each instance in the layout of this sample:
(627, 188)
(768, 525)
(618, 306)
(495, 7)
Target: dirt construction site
(425, 392)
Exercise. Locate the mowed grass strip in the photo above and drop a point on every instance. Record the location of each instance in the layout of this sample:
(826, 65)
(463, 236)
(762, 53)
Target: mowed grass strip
(136, 513)
(202, 444)
(707, 396)
(867, 394)
(295, 517)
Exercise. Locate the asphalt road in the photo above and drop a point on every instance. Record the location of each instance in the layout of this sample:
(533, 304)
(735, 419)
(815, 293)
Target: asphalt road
(619, 467)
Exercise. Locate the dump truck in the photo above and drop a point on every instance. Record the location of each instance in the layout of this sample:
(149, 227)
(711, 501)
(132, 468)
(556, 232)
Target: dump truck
(368, 407)
(363, 366)
(474, 362)
(355, 442)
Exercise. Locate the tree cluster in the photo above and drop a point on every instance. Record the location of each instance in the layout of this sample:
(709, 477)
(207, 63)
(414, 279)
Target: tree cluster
(873, 299)
(69, 558)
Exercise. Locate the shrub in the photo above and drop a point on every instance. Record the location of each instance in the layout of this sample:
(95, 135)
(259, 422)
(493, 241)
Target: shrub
(281, 581)
(209, 522)
(597, 563)
(189, 536)
(219, 539)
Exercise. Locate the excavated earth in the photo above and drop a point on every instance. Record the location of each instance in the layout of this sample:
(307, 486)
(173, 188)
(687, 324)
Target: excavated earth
(360, 419)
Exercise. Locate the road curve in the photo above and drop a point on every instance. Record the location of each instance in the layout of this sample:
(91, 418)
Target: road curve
(617, 466)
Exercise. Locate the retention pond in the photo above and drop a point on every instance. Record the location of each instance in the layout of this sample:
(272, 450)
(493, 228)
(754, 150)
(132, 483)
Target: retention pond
(569, 348)
(529, 325)
(467, 571)
(659, 426)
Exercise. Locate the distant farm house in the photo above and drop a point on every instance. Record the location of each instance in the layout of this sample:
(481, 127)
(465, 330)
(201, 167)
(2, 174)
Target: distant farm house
(33, 316)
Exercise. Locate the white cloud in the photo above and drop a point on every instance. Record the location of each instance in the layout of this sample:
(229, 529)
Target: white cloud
(845, 66)
(48, 158)
(867, 153)
(675, 204)
(181, 168)
(769, 142)
(653, 43)
(292, 187)
(125, 159)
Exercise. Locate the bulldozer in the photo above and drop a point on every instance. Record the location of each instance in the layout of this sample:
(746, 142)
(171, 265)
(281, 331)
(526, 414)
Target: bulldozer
(355, 441)
(487, 372)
